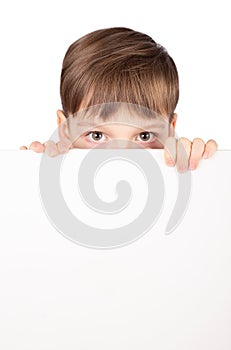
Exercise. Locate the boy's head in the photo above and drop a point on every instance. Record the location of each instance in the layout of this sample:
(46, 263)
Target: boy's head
(114, 65)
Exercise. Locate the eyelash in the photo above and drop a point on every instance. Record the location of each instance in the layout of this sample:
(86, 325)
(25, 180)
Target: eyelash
(150, 132)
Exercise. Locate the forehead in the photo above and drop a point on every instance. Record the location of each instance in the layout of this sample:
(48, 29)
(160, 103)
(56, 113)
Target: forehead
(124, 115)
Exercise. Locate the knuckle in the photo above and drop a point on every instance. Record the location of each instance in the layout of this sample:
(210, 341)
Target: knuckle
(198, 139)
(183, 141)
(198, 142)
(62, 148)
(34, 144)
(212, 143)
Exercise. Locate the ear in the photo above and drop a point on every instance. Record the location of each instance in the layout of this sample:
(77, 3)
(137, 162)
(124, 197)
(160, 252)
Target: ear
(64, 134)
(60, 117)
(172, 125)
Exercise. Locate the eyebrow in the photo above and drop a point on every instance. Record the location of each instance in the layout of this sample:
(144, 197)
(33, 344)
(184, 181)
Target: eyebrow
(151, 126)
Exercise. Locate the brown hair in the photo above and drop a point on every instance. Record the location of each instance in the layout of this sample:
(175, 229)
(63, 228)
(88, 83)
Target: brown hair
(118, 65)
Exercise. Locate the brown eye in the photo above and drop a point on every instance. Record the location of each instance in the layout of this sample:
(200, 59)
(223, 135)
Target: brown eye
(146, 136)
(95, 136)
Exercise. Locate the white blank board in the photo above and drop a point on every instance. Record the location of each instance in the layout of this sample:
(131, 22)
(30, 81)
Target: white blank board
(161, 291)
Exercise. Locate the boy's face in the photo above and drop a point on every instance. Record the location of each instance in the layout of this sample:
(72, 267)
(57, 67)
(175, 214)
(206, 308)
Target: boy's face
(90, 133)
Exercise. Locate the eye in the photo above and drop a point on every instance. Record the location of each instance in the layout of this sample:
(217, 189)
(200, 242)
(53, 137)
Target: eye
(146, 136)
(95, 136)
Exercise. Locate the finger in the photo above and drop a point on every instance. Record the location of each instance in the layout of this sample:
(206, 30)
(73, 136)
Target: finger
(37, 146)
(23, 148)
(210, 148)
(170, 151)
(62, 147)
(197, 151)
(51, 148)
(183, 154)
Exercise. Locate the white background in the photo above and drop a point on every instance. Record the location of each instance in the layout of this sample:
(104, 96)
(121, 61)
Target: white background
(36, 35)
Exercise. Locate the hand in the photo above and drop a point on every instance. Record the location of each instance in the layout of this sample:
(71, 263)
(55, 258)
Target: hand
(51, 148)
(185, 154)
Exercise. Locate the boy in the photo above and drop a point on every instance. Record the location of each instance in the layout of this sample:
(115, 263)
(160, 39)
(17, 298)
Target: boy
(119, 66)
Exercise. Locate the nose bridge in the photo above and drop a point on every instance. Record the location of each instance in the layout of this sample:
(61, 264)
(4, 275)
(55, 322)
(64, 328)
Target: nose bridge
(122, 131)
(121, 143)
(122, 135)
